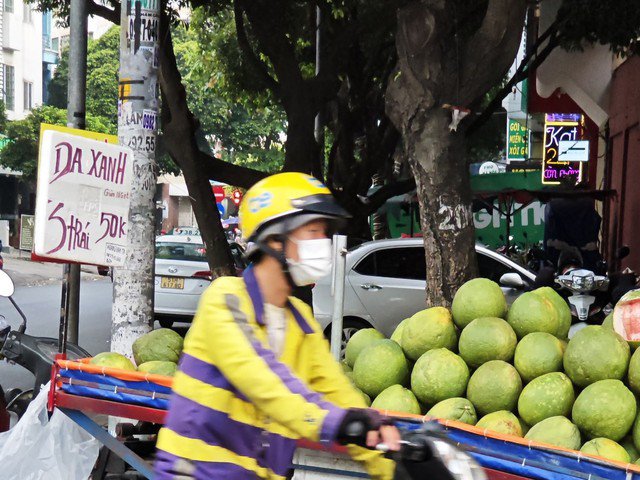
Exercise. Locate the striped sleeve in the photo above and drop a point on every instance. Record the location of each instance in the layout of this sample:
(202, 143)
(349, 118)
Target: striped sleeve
(227, 340)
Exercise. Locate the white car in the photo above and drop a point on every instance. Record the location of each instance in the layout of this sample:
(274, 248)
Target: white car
(385, 283)
(181, 275)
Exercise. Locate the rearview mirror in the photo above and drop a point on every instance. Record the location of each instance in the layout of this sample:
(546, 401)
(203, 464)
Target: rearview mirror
(6, 284)
(513, 280)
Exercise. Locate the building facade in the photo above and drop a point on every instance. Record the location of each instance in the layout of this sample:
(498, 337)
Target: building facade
(22, 57)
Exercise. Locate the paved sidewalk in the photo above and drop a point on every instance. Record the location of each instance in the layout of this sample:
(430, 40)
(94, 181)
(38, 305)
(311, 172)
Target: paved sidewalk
(25, 272)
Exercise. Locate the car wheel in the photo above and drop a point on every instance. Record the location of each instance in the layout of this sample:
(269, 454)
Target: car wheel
(349, 327)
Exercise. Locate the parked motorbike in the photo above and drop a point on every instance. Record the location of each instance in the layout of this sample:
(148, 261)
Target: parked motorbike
(36, 354)
(582, 284)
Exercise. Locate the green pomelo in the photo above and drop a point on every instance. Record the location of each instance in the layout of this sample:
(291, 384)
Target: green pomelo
(561, 307)
(396, 336)
(349, 375)
(533, 313)
(345, 368)
(635, 432)
(501, 422)
(437, 375)
(537, 354)
(595, 353)
(608, 321)
(634, 372)
(550, 395)
(396, 398)
(162, 344)
(629, 446)
(478, 298)
(367, 398)
(379, 366)
(525, 427)
(494, 386)
(112, 360)
(605, 409)
(159, 367)
(603, 447)
(486, 339)
(427, 330)
(626, 318)
(358, 342)
(457, 408)
(558, 431)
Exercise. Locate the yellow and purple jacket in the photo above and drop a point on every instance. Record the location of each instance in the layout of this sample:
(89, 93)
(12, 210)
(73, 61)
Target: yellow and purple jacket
(236, 410)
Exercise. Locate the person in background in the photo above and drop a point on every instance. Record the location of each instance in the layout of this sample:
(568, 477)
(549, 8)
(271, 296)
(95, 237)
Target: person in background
(256, 373)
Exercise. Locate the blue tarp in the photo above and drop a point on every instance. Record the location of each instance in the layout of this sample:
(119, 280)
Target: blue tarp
(532, 462)
(104, 387)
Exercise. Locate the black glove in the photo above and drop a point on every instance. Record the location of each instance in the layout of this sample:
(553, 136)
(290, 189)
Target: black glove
(357, 423)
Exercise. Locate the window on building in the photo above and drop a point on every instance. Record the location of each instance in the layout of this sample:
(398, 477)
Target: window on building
(55, 44)
(64, 42)
(28, 95)
(9, 87)
(8, 5)
(26, 12)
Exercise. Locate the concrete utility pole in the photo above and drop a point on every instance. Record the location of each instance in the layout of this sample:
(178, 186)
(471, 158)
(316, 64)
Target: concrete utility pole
(76, 99)
(132, 313)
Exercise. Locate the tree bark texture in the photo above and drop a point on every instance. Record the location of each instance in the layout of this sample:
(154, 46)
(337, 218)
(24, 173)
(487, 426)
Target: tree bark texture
(447, 55)
(179, 128)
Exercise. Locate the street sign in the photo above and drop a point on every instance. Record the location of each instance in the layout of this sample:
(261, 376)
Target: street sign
(27, 223)
(83, 197)
(517, 142)
(573, 150)
(218, 192)
(488, 167)
(561, 127)
(221, 209)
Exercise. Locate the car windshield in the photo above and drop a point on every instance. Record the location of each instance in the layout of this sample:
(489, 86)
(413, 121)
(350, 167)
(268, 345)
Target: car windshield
(181, 251)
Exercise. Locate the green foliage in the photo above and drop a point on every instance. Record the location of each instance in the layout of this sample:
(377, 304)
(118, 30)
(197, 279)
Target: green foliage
(248, 124)
(21, 153)
(102, 77)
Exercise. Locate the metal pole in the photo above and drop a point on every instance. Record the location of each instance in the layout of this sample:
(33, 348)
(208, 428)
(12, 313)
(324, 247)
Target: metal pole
(132, 311)
(339, 263)
(76, 98)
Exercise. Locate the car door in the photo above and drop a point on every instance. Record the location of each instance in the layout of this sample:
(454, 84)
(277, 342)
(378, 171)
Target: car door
(493, 269)
(390, 283)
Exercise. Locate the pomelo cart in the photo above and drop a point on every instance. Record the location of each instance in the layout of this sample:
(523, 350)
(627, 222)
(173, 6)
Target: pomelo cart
(80, 389)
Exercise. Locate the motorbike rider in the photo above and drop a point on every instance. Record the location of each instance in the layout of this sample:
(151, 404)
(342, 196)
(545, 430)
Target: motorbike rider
(256, 372)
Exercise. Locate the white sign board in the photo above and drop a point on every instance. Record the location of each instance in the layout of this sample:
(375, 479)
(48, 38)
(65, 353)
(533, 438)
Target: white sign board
(83, 196)
(488, 167)
(573, 151)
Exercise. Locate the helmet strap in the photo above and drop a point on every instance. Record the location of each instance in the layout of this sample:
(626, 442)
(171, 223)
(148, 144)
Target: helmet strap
(279, 255)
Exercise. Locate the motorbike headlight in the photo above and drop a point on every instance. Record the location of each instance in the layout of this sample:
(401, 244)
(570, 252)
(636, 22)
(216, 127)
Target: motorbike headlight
(460, 464)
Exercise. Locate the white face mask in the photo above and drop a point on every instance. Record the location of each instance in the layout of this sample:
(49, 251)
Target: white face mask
(315, 259)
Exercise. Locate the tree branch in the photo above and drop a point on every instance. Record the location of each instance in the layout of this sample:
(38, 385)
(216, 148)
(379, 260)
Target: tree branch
(228, 173)
(532, 60)
(247, 50)
(102, 11)
(378, 198)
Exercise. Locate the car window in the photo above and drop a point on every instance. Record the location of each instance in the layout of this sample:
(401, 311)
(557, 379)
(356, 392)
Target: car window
(491, 268)
(405, 262)
(181, 251)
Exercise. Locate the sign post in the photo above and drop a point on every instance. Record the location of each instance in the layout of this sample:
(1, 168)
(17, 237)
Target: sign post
(83, 199)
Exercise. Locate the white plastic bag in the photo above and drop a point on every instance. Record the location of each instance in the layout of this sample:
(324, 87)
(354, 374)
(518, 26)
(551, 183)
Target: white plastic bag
(39, 448)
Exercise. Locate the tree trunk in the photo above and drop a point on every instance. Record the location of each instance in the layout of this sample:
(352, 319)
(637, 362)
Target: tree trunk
(444, 198)
(179, 127)
(447, 55)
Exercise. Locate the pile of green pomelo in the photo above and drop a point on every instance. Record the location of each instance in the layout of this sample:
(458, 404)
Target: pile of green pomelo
(511, 371)
(156, 352)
